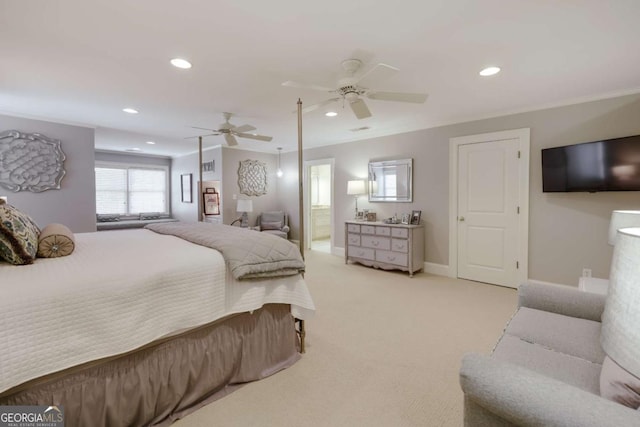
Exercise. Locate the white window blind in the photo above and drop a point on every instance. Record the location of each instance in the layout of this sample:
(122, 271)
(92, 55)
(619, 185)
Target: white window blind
(129, 190)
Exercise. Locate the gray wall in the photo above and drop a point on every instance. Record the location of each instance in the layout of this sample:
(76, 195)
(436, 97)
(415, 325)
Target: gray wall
(231, 163)
(189, 164)
(567, 231)
(74, 204)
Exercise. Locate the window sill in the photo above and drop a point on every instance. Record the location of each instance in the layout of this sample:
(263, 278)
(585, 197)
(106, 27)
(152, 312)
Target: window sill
(134, 223)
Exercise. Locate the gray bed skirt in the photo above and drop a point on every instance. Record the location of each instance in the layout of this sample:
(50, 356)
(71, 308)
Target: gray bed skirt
(168, 379)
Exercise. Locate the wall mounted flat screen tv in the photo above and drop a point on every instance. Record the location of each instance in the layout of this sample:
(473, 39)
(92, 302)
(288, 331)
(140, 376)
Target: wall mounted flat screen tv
(608, 165)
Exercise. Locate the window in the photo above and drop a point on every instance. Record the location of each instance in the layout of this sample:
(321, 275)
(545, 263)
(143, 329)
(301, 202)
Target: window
(131, 189)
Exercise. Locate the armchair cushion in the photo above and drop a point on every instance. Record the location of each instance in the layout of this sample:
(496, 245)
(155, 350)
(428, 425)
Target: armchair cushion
(275, 223)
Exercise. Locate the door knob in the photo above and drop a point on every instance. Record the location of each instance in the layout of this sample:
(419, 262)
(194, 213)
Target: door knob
(461, 219)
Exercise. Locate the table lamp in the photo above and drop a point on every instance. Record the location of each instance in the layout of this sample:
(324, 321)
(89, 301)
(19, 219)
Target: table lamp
(356, 188)
(244, 206)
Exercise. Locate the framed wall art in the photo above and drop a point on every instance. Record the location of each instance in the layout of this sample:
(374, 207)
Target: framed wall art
(185, 188)
(252, 178)
(415, 217)
(211, 202)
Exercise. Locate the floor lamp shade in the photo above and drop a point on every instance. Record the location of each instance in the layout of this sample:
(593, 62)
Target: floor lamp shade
(622, 219)
(620, 334)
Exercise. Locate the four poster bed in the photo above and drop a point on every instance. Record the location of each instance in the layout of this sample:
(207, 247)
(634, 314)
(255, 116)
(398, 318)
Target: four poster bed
(140, 327)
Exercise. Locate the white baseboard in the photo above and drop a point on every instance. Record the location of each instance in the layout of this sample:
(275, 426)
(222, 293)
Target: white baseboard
(437, 269)
(335, 250)
(542, 282)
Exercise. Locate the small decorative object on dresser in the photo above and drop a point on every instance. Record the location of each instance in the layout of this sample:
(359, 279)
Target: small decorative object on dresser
(371, 216)
(415, 217)
(405, 218)
(386, 246)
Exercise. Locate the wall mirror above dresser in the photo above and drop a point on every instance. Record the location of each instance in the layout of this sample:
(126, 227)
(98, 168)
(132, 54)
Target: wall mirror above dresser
(391, 181)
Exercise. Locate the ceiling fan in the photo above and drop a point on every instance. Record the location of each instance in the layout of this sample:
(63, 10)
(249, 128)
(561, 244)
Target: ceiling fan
(230, 131)
(352, 88)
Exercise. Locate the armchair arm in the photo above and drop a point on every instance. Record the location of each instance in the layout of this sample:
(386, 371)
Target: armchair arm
(564, 300)
(526, 398)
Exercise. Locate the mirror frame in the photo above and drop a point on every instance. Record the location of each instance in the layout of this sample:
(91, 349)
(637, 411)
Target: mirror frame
(391, 164)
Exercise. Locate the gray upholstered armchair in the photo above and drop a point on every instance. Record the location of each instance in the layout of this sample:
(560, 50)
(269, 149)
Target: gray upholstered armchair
(276, 223)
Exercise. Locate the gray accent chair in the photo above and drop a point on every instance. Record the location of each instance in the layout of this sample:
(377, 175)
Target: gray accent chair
(545, 369)
(276, 223)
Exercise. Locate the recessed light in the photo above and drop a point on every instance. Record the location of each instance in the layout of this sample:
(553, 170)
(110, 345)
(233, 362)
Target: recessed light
(181, 63)
(130, 110)
(490, 71)
(331, 114)
(150, 142)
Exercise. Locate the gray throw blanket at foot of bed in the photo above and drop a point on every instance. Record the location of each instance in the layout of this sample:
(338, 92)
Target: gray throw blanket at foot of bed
(249, 254)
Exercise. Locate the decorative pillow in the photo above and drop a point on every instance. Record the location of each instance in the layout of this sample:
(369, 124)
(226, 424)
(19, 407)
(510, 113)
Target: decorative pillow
(275, 225)
(55, 240)
(18, 235)
(149, 215)
(619, 385)
(107, 217)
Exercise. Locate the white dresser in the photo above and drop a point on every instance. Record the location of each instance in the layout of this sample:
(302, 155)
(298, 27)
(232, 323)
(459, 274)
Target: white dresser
(386, 246)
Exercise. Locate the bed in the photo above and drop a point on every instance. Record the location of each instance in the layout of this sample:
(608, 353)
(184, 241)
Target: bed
(141, 327)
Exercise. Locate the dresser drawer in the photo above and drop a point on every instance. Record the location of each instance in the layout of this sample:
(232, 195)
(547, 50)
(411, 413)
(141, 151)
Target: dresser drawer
(400, 245)
(400, 232)
(353, 228)
(368, 229)
(353, 239)
(388, 257)
(383, 231)
(375, 242)
(360, 252)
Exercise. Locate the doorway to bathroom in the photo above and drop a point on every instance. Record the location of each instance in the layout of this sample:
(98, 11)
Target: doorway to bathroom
(319, 219)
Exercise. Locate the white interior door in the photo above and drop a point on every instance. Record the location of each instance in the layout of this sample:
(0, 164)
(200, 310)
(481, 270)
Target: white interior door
(488, 210)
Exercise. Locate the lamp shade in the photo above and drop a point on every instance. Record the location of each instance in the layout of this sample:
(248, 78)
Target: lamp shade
(620, 336)
(622, 219)
(356, 187)
(244, 205)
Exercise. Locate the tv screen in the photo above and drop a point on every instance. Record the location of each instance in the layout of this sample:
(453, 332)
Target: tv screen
(608, 165)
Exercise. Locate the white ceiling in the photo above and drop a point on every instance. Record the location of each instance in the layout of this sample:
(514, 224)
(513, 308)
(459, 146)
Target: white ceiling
(81, 62)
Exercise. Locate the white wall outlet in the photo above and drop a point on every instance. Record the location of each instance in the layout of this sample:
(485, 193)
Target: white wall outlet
(586, 272)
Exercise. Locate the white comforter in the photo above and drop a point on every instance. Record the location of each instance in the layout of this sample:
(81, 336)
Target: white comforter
(120, 290)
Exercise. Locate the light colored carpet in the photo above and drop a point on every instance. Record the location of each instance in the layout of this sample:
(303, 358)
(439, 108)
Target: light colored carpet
(382, 350)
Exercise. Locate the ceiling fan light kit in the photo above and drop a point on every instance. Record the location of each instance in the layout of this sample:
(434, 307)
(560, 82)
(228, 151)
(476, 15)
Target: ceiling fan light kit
(352, 88)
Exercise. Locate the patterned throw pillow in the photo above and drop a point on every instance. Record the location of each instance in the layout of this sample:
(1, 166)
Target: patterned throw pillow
(18, 236)
(107, 217)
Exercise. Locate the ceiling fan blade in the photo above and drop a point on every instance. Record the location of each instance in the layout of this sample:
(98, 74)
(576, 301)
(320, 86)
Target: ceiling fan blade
(360, 109)
(210, 130)
(231, 141)
(314, 107)
(377, 74)
(299, 85)
(418, 98)
(243, 128)
(252, 136)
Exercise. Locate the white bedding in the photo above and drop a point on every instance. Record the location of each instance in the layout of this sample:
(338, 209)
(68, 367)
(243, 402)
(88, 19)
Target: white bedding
(118, 291)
